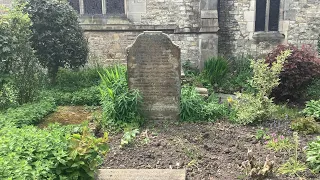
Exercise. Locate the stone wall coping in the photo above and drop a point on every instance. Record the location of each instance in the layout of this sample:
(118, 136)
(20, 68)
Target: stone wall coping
(133, 27)
(267, 36)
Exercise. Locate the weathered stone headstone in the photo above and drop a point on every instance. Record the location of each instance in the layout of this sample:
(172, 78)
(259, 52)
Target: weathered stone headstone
(154, 69)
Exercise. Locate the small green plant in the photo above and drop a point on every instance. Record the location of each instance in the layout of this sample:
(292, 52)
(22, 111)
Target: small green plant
(313, 90)
(283, 112)
(306, 125)
(312, 109)
(193, 107)
(189, 69)
(261, 134)
(59, 152)
(129, 136)
(253, 107)
(278, 143)
(120, 105)
(293, 166)
(27, 114)
(215, 70)
(313, 155)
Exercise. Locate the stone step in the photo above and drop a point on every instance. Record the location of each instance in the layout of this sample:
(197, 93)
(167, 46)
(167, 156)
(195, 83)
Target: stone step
(141, 174)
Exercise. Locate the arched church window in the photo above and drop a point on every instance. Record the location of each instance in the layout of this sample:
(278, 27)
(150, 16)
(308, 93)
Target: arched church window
(267, 15)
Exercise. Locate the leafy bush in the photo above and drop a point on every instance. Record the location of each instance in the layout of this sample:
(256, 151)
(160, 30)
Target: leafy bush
(252, 107)
(313, 90)
(300, 68)
(312, 109)
(18, 64)
(27, 114)
(128, 136)
(193, 107)
(57, 36)
(55, 153)
(215, 70)
(8, 96)
(238, 75)
(306, 125)
(87, 96)
(313, 155)
(69, 80)
(279, 143)
(120, 106)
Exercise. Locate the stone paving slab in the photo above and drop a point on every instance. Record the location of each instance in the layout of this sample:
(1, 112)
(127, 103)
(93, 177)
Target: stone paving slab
(142, 174)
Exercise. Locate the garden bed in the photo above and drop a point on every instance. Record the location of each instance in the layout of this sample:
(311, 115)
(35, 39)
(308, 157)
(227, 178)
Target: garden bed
(207, 150)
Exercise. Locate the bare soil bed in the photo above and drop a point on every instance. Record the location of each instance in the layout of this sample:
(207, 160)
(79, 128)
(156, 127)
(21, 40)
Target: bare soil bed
(210, 151)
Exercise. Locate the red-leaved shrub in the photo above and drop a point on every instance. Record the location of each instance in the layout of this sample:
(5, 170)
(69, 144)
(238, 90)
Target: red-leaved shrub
(300, 68)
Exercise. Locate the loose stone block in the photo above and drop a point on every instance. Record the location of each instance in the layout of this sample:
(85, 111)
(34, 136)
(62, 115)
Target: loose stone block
(154, 69)
(141, 174)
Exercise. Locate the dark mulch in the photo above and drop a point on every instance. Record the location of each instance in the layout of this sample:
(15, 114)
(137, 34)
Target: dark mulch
(210, 151)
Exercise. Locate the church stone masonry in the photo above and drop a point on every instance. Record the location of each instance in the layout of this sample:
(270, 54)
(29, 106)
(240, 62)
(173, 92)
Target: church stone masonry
(202, 28)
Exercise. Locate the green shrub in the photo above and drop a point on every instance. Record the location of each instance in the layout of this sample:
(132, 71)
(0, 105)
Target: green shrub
(193, 107)
(313, 90)
(57, 36)
(55, 153)
(27, 114)
(306, 125)
(69, 80)
(299, 70)
(239, 74)
(313, 155)
(8, 96)
(215, 70)
(120, 106)
(312, 109)
(253, 107)
(18, 64)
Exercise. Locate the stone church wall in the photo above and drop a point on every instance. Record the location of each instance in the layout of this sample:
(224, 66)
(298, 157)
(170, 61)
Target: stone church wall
(299, 23)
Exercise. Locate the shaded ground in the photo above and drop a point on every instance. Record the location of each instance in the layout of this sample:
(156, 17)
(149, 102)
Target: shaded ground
(210, 151)
(66, 115)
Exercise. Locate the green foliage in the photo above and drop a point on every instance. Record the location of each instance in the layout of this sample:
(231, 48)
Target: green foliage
(85, 155)
(69, 80)
(253, 107)
(57, 36)
(8, 96)
(215, 70)
(128, 136)
(18, 64)
(307, 125)
(190, 70)
(55, 153)
(193, 107)
(87, 96)
(313, 90)
(313, 155)
(27, 114)
(261, 134)
(293, 166)
(278, 143)
(286, 113)
(238, 75)
(120, 106)
(312, 109)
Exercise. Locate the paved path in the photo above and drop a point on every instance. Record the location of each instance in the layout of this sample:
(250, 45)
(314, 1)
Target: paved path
(142, 174)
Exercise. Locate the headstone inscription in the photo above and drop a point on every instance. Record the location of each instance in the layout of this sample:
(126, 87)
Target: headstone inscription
(154, 69)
